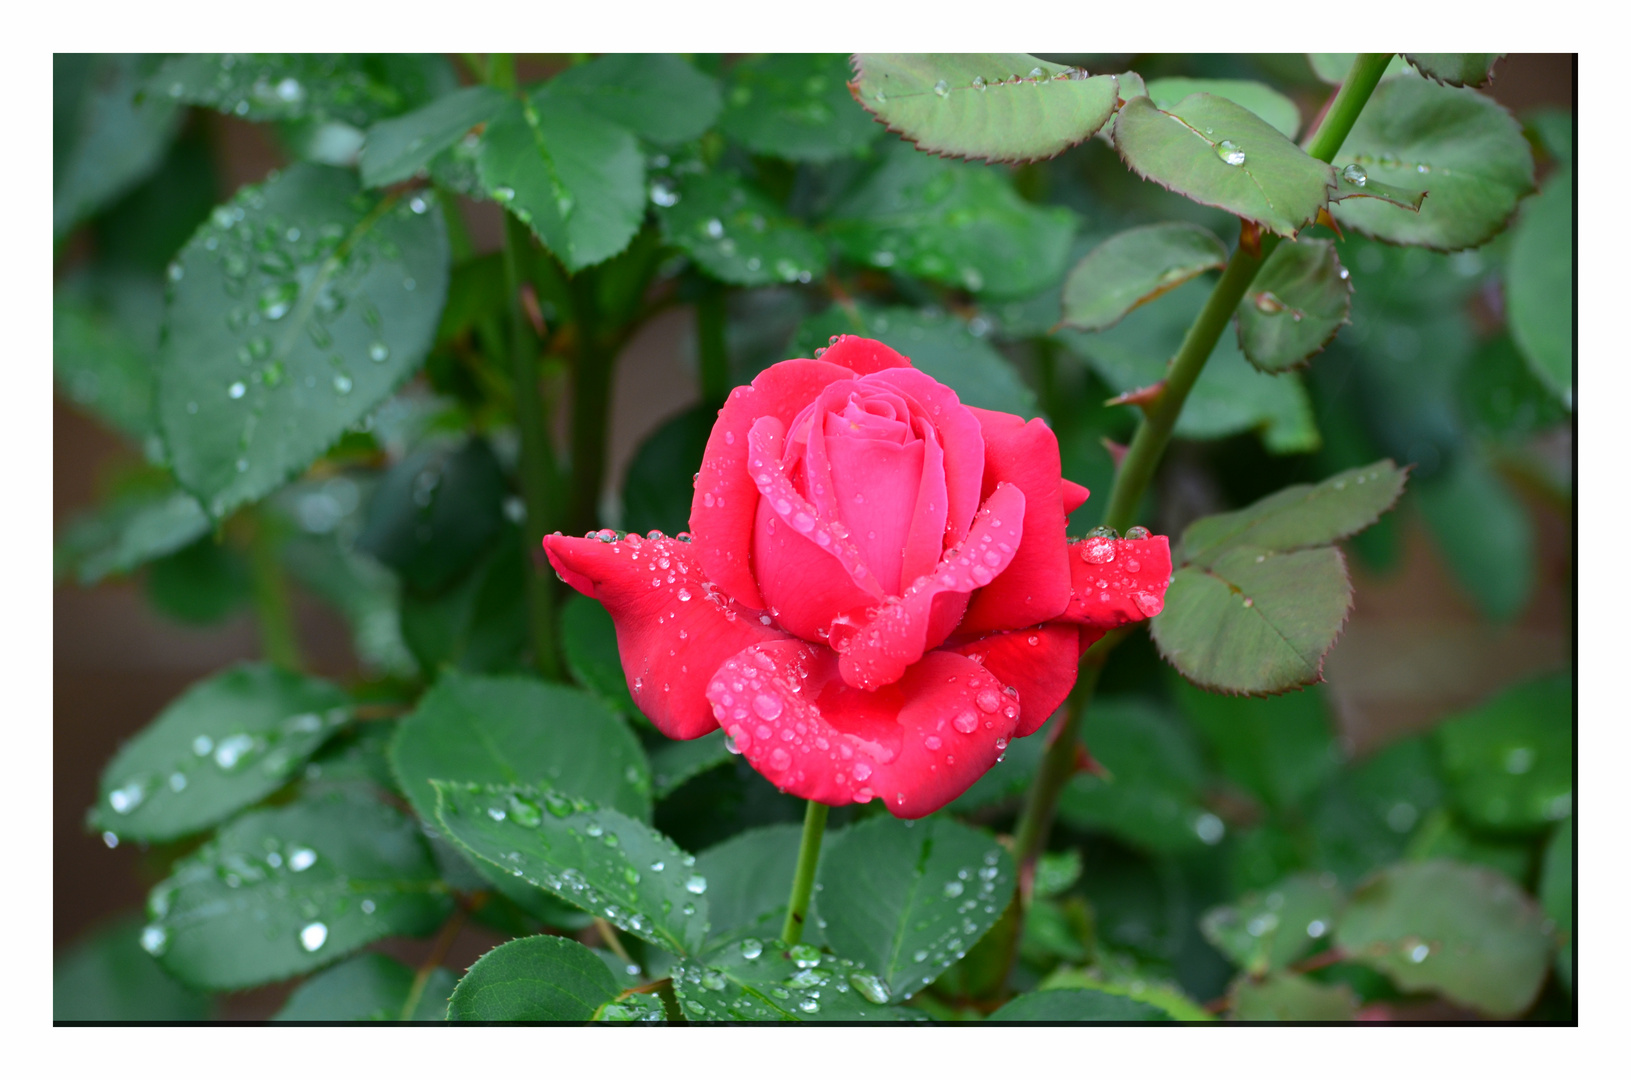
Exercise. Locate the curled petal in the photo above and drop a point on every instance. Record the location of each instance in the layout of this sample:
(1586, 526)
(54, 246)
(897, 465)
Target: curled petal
(1036, 585)
(673, 627)
(1075, 495)
(877, 650)
(723, 507)
(1038, 664)
(916, 744)
(1115, 582)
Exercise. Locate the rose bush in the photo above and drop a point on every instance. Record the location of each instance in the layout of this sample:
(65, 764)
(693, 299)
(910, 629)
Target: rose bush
(877, 595)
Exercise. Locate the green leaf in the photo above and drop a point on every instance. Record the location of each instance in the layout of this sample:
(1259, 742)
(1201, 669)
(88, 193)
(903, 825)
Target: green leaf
(285, 891)
(1134, 983)
(1284, 997)
(352, 89)
(1484, 531)
(1134, 267)
(1266, 931)
(673, 763)
(1442, 835)
(101, 367)
(599, 860)
(112, 140)
(589, 639)
(402, 146)
(368, 987)
(1151, 795)
(480, 623)
(1229, 397)
(909, 899)
(1279, 749)
(658, 96)
(1218, 153)
(1467, 150)
(1334, 67)
(361, 590)
(133, 529)
(796, 106)
(1299, 516)
(576, 179)
(996, 106)
(1510, 762)
(1279, 111)
(779, 985)
(436, 512)
(1297, 302)
(275, 346)
(749, 878)
(1557, 896)
(961, 225)
(657, 488)
(107, 978)
(1465, 932)
(1501, 398)
(941, 345)
(1540, 284)
(1075, 1006)
(1255, 621)
(735, 234)
(201, 584)
(1456, 69)
(227, 742)
(537, 979)
(1363, 817)
(519, 730)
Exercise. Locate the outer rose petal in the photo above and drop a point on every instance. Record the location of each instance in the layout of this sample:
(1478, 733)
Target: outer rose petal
(1039, 663)
(877, 651)
(863, 355)
(917, 744)
(1036, 585)
(722, 510)
(673, 629)
(1115, 582)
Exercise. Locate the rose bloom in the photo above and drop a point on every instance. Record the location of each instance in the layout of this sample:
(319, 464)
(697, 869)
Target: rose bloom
(877, 595)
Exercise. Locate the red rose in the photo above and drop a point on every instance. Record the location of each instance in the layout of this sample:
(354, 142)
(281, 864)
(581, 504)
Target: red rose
(879, 594)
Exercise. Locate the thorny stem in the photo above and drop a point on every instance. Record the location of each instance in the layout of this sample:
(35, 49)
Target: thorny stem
(273, 612)
(798, 901)
(1150, 442)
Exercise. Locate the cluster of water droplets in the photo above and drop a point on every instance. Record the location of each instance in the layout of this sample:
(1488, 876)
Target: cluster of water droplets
(576, 852)
(777, 982)
(1117, 564)
(275, 750)
(271, 87)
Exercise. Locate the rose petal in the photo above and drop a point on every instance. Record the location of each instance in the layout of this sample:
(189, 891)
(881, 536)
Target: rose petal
(960, 439)
(723, 507)
(876, 651)
(863, 355)
(1075, 495)
(673, 628)
(917, 744)
(1036, 586)
(1038, 663)
(1115, 582)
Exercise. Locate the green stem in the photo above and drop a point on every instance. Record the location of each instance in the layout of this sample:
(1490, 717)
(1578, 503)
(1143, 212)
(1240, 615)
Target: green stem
(711, 355)
(798, 901)
(1058, 766)
(591, 406)
(537, 459)
(1150, 442)
(273, 612)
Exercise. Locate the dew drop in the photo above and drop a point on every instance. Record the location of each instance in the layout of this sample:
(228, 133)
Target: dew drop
(1355, 175)
(312, 936)
(1230, 153)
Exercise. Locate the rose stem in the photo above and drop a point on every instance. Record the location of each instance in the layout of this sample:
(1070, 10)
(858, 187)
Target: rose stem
(1154, 432)
(798, 901)
(591, 404)
(537, 457)
(273, 615)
